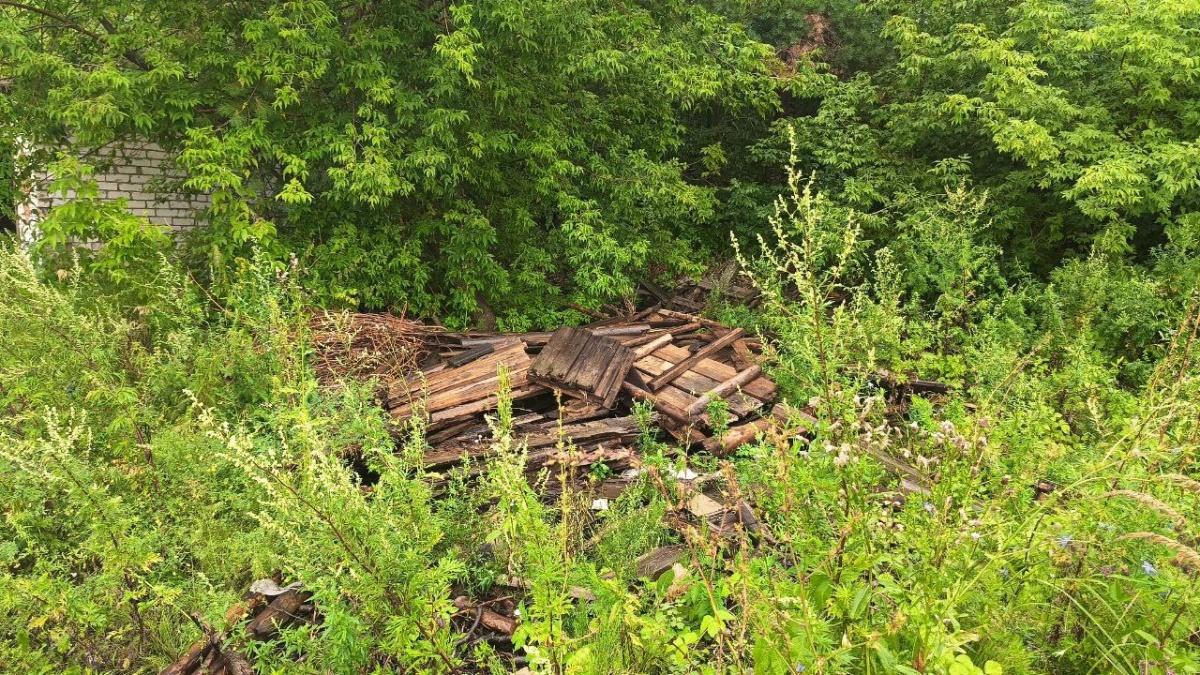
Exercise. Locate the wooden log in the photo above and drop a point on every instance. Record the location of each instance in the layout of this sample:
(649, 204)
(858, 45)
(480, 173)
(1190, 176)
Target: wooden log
(645, 313)
(279, 614)
(190, 661)
(736, 437)
(724, 389)
(686, 433)
(469, 340)
(639, 340)
(701, 354)
(653, 346)
(492, 620)
(635, 329)
(707, 323)
(665, 408)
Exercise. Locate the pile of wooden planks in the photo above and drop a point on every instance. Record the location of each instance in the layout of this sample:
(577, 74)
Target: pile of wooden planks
(463, 385)
(573, 388)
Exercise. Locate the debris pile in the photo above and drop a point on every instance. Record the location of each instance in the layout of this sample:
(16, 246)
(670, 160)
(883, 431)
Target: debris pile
(263, 611)
(574, 387)
(367, 345)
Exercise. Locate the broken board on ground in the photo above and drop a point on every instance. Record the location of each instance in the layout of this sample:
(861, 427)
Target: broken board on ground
(582, 364)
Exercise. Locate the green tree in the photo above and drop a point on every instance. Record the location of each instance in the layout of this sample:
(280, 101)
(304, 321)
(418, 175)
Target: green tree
(436, 155)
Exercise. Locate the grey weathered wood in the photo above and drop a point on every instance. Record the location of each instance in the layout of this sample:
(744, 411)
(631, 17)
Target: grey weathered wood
(658, 561)
(635, 329)
(470, 355)
(580, 363)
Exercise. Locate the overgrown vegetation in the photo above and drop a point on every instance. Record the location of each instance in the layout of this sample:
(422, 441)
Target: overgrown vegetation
(1001, 196)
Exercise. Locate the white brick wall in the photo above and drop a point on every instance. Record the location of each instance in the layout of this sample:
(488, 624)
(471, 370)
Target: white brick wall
(132, 171)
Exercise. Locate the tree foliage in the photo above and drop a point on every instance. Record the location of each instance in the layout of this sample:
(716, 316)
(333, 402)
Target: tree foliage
(433, 155)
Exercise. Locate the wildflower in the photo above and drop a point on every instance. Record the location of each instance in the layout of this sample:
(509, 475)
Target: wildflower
(1064, 540)
(800, 667)
(1107, 570)
(928, 507)
(976, 536)
(1149, 569)
(1106, 527)
(947, 427)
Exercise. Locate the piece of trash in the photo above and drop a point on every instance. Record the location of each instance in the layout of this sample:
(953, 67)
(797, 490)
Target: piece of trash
(686, 474)
(270, 589)
(600, 504)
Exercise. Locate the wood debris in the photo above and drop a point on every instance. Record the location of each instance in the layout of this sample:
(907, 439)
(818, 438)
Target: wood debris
(572, 390)
(263, 611)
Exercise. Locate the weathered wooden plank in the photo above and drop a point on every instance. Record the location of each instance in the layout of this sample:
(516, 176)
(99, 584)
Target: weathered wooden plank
(658, 561)
(700, 355)
(660, 405)
(427, 385)
(610, 387)
(725, 388)
(484, 404)
(653, 345)
(474, 386)
(590, 365)
(634, 329)
(470, 355)
(761, 388)
(695, 384)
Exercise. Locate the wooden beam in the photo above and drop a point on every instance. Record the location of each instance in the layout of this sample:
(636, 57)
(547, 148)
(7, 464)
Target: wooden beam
(659, 405)
(652, 346)
(724, 389)
(688, 363)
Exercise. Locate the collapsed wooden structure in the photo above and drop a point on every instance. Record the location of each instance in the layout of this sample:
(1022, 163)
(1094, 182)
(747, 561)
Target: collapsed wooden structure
(573, 390)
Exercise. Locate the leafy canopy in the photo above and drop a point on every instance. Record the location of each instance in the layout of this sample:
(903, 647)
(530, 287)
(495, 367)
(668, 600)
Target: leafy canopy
(435, 155)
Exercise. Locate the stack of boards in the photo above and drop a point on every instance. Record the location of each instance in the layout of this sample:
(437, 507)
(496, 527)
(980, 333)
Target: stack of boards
(574, 387)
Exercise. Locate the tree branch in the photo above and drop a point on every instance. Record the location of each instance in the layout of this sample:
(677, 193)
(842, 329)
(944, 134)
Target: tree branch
(65, 21)
(133, 56)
